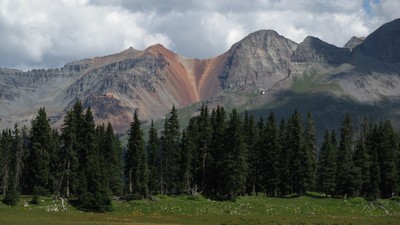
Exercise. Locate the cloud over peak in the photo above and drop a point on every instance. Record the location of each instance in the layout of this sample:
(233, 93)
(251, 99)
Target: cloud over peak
(50, 33)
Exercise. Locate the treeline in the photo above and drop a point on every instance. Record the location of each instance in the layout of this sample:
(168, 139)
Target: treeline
(219, 155)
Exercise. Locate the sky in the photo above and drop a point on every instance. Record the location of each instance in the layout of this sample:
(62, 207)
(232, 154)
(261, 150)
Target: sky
(51, 33)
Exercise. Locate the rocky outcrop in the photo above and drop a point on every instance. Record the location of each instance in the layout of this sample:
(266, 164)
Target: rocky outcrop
(312, 49)
(258, 61)
(354, 42)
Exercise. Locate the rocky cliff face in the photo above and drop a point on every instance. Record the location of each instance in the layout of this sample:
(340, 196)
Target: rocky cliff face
(258, 61)
(264, 64)
(354, 42)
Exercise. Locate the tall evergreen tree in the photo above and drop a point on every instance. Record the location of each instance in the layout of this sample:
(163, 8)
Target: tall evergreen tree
(69, 154)
(257, 158)
(285, 181)
(55, 165)
(362, 159)
(218, 121)
(271, 156)
(372, 142)
(234, 159)
(250, 136)
(310, 151)
(112, 154)
(153, 147)
(12, 194)
(186, 170)
(6, 159)
(387, 157)
(203, 141)
(345, 185)
(327, 165)
(38, 162)
(170, 142)
(135, 160)
(299, 157)
(93, 190)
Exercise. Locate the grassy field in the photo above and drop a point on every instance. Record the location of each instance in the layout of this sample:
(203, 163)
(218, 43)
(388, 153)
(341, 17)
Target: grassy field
(186, 210)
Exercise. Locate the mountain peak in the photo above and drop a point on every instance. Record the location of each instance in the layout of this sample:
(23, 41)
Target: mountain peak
(313, 49)
(384, 43)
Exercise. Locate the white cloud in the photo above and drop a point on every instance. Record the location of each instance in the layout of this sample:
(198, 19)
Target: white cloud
(48, 33)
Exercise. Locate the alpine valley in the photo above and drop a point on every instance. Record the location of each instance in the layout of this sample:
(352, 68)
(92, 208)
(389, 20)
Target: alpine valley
(264, 71)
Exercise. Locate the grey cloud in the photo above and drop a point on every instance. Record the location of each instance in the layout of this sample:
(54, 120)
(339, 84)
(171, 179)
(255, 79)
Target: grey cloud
(49, 33)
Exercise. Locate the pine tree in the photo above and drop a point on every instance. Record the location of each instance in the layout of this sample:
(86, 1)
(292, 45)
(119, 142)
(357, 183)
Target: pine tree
(257, 158)
(345, 168)
(285, 181)
(327, 165)
(271, 156)
(387, 152)
(186, 170)
(372, 142)
(38, 161)
(12, 147)
(55, 166)
(362, 160)
(203, 141)
(69, 154)
(93, 190)
(250, 135)
(170, 142)
(135, 161)
(310, 151)
(112, 154)
(6, 158)
(234, 159)
(218, 121)
(299, 158)
(153, 147)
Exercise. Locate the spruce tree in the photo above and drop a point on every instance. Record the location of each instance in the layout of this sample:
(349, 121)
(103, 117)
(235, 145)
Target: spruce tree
(285, 181)
(298, 157)
(170, 142)
(327, 165)
(186, 170)
(271, 156)
(38, 162)
(55, 166)
(135, 161)
(362, 160)
(153, 147)
(387, 153)
(373, 143)
(218, 121)
(12, 148)
(93, 190)
(310, 151)
(6, 158)
(257, 158)
(69, 154)
(234, 159)
(250, 135)
(345, 185)
(112, 154)
(203, 141)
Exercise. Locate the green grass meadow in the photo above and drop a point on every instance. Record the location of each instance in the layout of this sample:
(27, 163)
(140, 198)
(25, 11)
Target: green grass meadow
(199, 210)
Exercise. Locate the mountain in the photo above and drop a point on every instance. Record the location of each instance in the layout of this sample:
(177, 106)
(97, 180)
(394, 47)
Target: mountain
(354, 42)
(264, 71)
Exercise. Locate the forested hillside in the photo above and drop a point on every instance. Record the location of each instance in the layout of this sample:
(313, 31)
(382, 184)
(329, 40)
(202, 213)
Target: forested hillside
(220, 155)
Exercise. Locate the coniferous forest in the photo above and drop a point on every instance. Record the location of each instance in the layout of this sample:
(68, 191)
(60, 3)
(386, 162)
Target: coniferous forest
(219, 154)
